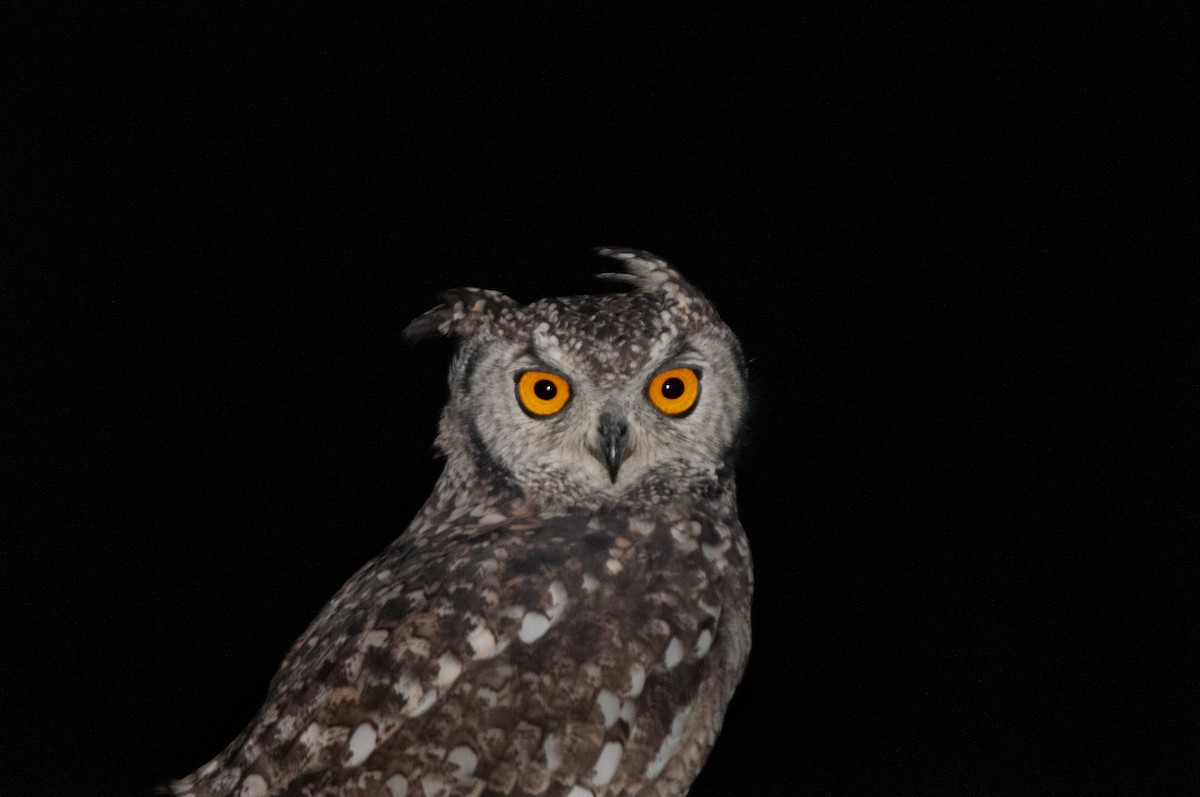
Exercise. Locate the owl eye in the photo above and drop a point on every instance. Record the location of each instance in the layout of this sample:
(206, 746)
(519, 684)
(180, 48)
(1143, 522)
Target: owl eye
(675, 391)
(541, 393)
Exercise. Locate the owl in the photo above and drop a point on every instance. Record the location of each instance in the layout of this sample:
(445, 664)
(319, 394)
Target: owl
(569, 613)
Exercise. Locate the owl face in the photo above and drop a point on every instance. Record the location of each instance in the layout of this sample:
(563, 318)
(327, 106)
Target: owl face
(581, 399)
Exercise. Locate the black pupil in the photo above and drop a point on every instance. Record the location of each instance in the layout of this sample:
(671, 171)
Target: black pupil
(672, 388)
(545, 389)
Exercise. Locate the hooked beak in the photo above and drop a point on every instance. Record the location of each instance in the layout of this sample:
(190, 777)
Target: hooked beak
(614, 433)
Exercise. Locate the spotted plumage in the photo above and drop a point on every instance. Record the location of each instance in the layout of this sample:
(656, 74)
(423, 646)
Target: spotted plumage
(569, 613)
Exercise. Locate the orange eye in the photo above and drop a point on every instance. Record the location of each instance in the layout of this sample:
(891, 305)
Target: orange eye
(675, 391)
(541, 393)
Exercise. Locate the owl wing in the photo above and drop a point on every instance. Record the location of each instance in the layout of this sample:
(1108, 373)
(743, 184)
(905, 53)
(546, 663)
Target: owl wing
(582, 655)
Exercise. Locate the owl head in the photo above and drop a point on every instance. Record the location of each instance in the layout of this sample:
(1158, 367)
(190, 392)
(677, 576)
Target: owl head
(583, 400)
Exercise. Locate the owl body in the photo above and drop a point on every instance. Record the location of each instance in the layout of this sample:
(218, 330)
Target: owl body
(569, 613)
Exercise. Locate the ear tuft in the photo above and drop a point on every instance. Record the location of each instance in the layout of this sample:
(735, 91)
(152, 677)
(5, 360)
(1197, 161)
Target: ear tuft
(462, 312)
(644, 270)
(649, 273)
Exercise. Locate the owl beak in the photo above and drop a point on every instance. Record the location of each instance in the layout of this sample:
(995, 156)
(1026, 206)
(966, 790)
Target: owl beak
(614, 432)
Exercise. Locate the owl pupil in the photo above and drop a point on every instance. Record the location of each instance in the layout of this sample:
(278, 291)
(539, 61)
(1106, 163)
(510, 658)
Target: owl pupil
(672, 388)
(545, 389)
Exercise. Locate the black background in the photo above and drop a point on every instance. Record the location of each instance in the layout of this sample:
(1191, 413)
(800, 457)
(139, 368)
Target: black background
(947, 240)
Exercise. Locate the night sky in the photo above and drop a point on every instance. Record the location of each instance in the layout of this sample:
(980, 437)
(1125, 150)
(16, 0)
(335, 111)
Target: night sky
(948, 241)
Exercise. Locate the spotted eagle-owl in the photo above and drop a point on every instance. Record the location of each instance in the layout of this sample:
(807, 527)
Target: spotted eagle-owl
(569, 613)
